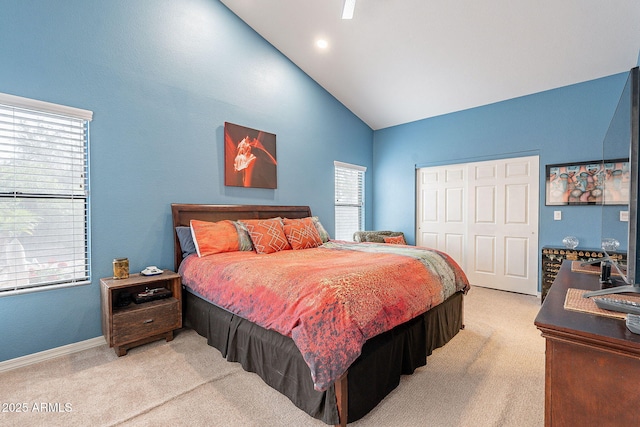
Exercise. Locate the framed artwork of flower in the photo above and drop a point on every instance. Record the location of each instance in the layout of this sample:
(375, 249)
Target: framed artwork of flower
(249, 157)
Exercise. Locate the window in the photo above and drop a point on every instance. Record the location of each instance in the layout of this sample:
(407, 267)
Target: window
(44, 190)
(349, 207)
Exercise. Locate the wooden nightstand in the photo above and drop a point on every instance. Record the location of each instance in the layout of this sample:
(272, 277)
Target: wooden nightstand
(137, 324)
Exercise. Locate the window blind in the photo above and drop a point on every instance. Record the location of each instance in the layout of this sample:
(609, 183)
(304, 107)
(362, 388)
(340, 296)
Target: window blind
(44, 190)
(349, 199)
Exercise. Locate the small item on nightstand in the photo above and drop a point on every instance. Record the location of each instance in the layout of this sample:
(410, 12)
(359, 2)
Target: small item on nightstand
(151, 295)
(121, 268)
(123, 300)
(152, 270)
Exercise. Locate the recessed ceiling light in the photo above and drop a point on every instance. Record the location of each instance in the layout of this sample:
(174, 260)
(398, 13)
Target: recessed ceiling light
(322, 43)
(347, 9)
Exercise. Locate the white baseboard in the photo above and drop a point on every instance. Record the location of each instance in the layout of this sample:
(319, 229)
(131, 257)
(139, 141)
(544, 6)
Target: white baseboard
(30, 359)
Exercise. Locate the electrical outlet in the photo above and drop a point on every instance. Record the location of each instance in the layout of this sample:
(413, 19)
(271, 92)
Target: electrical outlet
(557, 215)
(624, 216)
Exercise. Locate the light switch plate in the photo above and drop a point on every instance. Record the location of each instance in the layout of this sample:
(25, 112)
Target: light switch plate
(624, 216)
(557, 215)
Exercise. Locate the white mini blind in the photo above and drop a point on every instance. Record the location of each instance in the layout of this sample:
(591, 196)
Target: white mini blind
(44, 190)
(349, 199)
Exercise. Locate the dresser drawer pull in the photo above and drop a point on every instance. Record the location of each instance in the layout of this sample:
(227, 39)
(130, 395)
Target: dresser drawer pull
(148, 321)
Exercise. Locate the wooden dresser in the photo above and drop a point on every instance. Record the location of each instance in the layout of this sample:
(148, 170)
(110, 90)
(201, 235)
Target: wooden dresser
(592, 372)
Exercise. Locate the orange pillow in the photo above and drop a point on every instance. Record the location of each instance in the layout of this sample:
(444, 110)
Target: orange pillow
(302, 233)
(214, 237)
(267, 235)
(396, 240)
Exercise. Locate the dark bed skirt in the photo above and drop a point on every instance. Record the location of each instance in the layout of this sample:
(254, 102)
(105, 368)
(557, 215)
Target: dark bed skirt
(277, 360)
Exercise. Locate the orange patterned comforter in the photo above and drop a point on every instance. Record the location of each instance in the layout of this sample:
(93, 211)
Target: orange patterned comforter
(330, 299)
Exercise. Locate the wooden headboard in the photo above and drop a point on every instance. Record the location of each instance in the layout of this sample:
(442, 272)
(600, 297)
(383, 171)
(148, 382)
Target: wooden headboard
(182, 214)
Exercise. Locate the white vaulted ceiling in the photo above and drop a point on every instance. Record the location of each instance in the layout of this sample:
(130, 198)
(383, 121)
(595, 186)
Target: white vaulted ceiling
(399, 61)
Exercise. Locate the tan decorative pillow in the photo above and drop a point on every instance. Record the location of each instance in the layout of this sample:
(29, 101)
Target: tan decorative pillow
(324, 235)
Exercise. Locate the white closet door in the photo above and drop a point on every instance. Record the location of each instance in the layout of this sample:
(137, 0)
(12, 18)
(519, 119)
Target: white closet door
(442, 209)
(492, 228)
(503, 228)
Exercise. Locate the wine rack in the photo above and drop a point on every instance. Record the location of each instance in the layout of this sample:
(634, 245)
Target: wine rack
(553, 257)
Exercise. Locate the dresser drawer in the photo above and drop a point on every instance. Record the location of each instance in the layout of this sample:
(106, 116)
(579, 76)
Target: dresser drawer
(145, 320)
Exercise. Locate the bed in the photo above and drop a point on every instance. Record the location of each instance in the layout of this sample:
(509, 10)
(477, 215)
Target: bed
(335, 395)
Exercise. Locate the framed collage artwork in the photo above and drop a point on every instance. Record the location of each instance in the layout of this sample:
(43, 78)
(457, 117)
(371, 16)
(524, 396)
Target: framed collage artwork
(588, 183)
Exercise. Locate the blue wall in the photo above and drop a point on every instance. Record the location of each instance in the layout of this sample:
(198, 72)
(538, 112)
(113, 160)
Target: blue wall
(562, 125)
(162, 77)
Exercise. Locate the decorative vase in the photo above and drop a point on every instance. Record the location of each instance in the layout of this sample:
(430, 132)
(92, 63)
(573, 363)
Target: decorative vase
(570, 242)
(610, 244)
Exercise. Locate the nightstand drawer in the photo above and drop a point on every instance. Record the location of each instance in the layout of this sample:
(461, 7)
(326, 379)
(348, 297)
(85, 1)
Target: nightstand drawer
(145, 320)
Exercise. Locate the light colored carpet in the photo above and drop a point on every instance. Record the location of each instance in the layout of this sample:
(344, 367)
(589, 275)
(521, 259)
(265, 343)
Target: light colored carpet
(490, 374)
